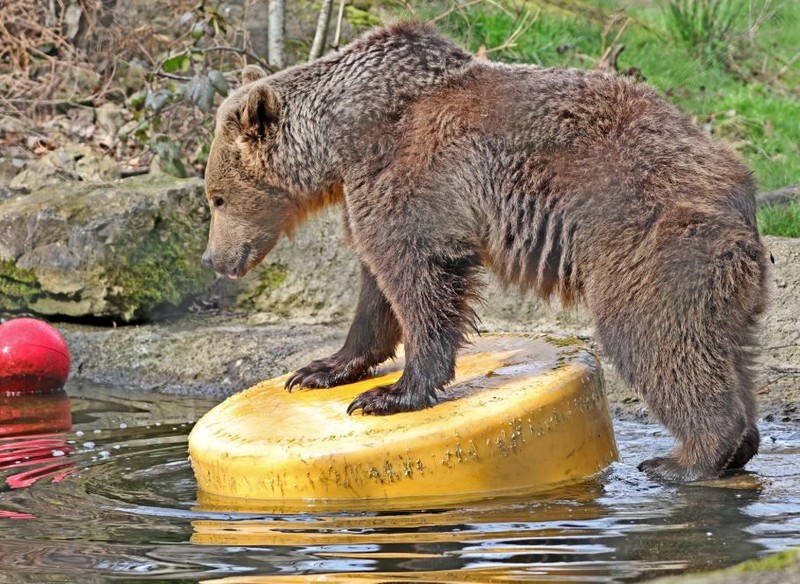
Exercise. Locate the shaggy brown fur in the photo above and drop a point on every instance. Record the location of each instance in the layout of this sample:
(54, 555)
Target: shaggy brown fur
(577, 184)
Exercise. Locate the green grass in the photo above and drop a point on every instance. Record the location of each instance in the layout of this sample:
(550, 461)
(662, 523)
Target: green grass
(747, 94)
(781, 220)
(704, 26)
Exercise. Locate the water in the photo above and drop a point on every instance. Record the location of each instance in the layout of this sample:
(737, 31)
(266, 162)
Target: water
(114, 498)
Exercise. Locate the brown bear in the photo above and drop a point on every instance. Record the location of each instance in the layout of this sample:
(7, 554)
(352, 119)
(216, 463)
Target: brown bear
(576, 184)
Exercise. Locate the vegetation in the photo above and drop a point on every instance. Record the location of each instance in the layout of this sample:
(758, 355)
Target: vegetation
(734, 66)
(738, 75)
(780, 220)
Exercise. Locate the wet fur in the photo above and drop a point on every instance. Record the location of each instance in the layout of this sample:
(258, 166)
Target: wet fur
(576, 184)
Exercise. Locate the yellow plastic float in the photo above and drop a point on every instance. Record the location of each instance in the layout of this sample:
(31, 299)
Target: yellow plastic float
(522, 415)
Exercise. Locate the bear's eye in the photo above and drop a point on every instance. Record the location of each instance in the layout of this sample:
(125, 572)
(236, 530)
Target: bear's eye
(218, 202)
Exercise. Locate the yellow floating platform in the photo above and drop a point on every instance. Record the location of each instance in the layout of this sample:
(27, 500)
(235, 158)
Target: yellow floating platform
(523, 414)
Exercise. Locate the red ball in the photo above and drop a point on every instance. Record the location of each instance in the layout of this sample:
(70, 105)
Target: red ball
(33, 357)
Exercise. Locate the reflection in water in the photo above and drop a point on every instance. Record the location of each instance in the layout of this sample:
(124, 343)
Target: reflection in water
(130, 508)
(42, 453)
(37, 413)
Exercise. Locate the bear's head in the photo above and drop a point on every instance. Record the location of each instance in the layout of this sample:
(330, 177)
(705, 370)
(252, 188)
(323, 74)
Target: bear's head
(250, 204)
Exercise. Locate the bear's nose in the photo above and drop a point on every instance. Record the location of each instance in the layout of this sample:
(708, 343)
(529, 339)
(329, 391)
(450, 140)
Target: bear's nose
(206, 261)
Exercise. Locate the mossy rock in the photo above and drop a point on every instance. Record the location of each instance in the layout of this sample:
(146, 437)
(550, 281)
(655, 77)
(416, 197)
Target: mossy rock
(125, 250)
(772, 569)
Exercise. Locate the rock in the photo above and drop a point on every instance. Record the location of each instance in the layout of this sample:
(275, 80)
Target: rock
(776, 568)
(12, 162)
(315, 275)
(97, 168)
(80, 82)
(73, 162)
(125, 250)
(9, 167)
(74, 22)
(779, 357)
(13, 125)
(211, 355)
(131, 76)
(110, 117)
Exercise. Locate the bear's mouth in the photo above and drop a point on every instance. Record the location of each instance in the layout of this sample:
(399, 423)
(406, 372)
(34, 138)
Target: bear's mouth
(241, 267)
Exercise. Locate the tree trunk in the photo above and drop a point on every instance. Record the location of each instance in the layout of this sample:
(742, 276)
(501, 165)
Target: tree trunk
(318, 46)
(277, 33)
(780, 197)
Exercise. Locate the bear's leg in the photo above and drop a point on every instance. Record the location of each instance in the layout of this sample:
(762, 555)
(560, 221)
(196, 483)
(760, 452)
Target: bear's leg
(373, 338)
(751, 440)
(689, 379)
(430, 296)
(715, 433)
(682, 331)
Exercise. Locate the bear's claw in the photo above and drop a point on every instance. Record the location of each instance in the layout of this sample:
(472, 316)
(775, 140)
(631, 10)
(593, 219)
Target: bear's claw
(390, 399)
(325, 373)
(668, 469)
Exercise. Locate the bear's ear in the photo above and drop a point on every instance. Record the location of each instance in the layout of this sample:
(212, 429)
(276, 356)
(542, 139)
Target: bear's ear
(260, 110)
(252, 73)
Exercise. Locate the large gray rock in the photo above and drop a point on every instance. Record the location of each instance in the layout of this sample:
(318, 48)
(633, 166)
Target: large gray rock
(123, 250)
(311, 275)
(73, 162)
(315, 275)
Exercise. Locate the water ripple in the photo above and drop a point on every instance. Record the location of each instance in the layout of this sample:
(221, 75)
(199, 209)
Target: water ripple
(114, 498)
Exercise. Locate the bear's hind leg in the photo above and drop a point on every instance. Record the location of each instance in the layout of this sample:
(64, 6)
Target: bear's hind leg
(373, 338)
(681, 330)
(693, 388)
(748, 447)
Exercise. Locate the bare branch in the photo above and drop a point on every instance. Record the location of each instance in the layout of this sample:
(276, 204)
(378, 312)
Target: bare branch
(454, 8)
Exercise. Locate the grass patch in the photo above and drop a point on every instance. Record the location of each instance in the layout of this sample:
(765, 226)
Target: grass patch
(705, 26)
(737, 78)
(780, 220)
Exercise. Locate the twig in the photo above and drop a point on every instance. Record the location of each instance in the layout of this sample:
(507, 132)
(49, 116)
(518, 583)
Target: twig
(454, 8)
(407, 5)
(785, 69)
(248, 54)
(129, 172)
(503, 8)
(606, 50)
(166, 75)
(204, 51)
(524, 24)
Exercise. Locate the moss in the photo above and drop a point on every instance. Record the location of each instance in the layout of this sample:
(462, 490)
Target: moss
(562, 342)
(270, 277)
(18, 287)
(779, 561)
(163, 270)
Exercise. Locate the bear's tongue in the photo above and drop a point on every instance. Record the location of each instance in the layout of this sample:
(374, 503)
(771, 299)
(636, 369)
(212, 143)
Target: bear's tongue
(233, 276)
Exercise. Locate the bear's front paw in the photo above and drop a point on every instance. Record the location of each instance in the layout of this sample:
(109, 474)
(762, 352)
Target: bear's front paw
(668, 469)
(328, 372)
(391, 399)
